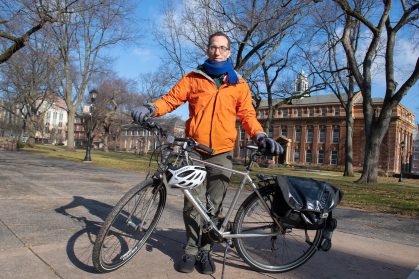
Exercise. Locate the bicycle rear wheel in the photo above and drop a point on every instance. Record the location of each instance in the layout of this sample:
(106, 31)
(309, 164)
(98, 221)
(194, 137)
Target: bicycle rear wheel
(277, 254)
(128, 226)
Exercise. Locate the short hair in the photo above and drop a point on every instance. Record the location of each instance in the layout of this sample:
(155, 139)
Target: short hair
(219, 33)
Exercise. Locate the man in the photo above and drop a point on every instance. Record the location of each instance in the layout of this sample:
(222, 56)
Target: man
(217, 95)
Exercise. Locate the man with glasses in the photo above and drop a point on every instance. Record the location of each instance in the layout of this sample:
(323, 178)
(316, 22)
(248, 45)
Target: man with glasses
(217, 95)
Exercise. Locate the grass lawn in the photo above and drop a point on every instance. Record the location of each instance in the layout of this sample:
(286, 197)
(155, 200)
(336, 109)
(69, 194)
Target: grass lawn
(388, 195)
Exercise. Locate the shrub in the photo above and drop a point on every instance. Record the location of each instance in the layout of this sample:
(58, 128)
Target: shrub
(20, 145)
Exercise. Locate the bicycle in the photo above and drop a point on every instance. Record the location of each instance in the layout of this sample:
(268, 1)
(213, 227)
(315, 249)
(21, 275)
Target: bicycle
(257, 236)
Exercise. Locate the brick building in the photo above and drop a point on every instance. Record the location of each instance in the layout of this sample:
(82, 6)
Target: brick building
(144, 141)
(312, 131)
(415, 152)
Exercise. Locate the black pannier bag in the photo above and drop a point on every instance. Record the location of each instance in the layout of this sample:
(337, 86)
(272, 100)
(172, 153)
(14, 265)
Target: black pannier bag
(305, 203)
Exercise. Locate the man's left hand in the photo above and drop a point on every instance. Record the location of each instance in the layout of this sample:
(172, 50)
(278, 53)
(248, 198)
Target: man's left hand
(268, 145)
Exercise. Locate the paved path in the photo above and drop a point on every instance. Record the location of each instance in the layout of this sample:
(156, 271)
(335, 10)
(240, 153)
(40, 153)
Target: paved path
(50, 211)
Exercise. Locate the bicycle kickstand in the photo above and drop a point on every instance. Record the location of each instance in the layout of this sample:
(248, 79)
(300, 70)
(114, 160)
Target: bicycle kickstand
(229, 243)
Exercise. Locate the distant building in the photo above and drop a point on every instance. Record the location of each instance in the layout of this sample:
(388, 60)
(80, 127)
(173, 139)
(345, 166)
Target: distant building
(415, 152)
(143, 141)
(53, 127)
(312, 131)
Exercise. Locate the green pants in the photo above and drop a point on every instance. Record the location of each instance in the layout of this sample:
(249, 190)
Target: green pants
(216, 188)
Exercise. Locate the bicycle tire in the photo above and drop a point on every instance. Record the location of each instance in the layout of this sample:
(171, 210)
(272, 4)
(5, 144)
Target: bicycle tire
(118, 240)
(287, 251)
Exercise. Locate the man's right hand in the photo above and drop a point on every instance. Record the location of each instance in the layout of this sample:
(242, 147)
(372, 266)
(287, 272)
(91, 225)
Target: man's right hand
(139, 113)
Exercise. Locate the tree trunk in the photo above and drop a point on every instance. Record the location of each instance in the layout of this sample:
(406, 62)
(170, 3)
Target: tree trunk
(32, 132)
(105, 138)
(372, 154)
(349, 167)
(70, 129)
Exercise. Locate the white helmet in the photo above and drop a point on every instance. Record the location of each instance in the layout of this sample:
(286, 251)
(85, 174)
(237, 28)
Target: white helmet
(187, 177)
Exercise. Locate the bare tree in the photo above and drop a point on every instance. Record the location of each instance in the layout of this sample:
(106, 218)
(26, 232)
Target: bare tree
(20, 19)
(29, 83)
(254, 26)
(117, 96)
(377, 20)
(80, 39)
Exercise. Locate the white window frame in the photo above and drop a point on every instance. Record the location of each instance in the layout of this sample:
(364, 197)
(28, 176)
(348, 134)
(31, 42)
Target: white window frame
(322, 131)
(242, 134)
(323, 112)
(296, 155)
(337, 111)
(415, 149)
(310, 135)
(334, 157)
(271, 133)
(311, 112)
(285, 113)
(415, 157)
(310, 153)
(297, 137)
(320, 157)
(299, 113)
(335, 135)
(415, 165)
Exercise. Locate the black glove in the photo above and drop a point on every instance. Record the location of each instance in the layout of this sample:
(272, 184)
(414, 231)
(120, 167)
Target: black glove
(139, 113)
(268, 145)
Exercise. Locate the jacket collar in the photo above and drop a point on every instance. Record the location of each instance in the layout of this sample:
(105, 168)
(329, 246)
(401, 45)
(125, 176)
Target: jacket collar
(200, 70)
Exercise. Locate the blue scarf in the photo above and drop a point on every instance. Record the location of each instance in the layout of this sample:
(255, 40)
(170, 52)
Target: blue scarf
(220, 68)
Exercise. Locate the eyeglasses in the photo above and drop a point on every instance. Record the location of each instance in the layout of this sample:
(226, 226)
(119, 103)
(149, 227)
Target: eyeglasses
(222, 49)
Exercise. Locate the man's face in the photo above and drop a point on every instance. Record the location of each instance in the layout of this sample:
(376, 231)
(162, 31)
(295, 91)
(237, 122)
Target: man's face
(218, 42)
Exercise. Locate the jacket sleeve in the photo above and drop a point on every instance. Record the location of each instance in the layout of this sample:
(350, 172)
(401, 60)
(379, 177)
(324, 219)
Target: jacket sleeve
(247, 114)
(174, 98)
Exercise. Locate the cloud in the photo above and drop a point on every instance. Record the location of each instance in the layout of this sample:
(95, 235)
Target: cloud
(143, 53)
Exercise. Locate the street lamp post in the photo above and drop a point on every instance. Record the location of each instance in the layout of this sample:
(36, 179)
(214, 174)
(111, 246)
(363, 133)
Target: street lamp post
(93, 95)
(401, 163)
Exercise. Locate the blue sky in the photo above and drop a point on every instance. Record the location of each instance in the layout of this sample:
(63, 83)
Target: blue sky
(144, 57)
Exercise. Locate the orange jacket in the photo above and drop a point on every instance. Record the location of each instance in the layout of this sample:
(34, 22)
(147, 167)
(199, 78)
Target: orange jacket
(212, 112)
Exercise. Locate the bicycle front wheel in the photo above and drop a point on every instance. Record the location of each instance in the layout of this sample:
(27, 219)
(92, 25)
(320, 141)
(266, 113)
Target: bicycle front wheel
(128, 226)
(270, 254)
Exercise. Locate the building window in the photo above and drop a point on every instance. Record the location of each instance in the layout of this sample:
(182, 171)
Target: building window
(60, 120)
(297, 135)
(271, 133)
(181, 133)
(335, 136)
(308, 156)
(143, 132)
(242, 134)
(59, 131)
(47, 118)
(150, 144)
(138, 132)
(284, 113)
(310, 135)
(296, 155)
(156, 145)
(132, 132)
(261, 114)
(241, 152)
(322, 135)
(284, 132)
(150, 133)
(415, 157)
(416, 149)
(299, 113)
(337, 111)
(54, 118)
(249, 153)
(320, 157)
(46, 130)
(126, 132)
(311, 112)
(415, 166)
(334, 157)
(323, 112)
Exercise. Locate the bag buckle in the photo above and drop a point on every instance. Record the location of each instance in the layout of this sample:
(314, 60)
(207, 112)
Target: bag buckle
(324, 215)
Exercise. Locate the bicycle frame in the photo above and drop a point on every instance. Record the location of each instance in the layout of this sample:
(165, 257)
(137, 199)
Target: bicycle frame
(204, 215)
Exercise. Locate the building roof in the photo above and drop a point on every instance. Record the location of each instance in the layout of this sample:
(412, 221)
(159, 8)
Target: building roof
(319, 99)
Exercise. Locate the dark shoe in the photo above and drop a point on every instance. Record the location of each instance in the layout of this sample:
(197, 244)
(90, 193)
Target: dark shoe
(187, 264)
(206, 261)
